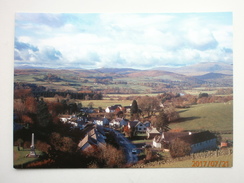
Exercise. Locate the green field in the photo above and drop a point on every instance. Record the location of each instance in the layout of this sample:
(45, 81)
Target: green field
(213, 117)
(19, 156)
(222, 161)
(105, 103)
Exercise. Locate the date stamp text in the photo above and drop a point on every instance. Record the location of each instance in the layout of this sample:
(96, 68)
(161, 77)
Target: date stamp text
(210, 163)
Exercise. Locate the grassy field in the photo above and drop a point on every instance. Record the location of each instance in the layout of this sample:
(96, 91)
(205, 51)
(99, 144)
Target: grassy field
(213, 117)
(105, 103)
(19, 156)
(220, 161)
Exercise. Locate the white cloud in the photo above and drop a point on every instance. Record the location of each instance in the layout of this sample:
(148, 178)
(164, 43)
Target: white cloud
(201, 39)
(124, 40)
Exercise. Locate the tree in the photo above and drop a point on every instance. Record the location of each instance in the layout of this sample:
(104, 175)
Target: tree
(90, 105)
(63, 144)
(31, 104)
(87, 97)
(171, 114)
(26, 119)
(112, 157)
(120, 114)
(134, 107)
(161, 122)
(20, 142)
(203, 95)
(44, 118)
(179, 148)
(150, 105)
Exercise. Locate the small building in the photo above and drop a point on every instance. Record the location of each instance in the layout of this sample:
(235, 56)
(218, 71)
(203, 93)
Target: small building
(92, 135)
(152, 132)
(132, 124)
(140, 127)
(127, 109)
(163, 140)
(101, 121)
(65, 118)
(113, 108)
(147, 123)
(201, 141)
(118, 122)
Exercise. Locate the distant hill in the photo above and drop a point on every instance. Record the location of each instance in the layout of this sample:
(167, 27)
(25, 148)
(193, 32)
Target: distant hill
(151, 73)
(201, 68)
(212, 76)
(116, 70)
(29, 67)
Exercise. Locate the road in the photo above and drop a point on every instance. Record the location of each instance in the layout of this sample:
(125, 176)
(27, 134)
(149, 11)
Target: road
(126, 145)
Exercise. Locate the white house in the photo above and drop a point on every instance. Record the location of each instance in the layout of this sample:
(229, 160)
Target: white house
(166, 137)
(118, 122)
(101, 121)
(112, 109)
(140, 127)
(152, 132)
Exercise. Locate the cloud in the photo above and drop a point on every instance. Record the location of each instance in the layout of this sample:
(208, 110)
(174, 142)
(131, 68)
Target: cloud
(201, 39)
(28, 53)
(24, 46)
(51, 54)
(49, 19)
(122, 40)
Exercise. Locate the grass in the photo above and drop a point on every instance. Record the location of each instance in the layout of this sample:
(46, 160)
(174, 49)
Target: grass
(105, 103)
(213, 117)
(190, 163)
(129, 95)
(19, 156)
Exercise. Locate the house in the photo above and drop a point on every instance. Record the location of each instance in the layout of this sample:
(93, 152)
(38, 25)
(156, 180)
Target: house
(118, 122)
(113, 108)
(198, 141)
(65, 118)
(132, 124)
(152, 132)
(147, 123)
(92, 135)
(101, 121)
(201, 141)
(127, 109)
(163, 140)
(76, 122)
(141, 127)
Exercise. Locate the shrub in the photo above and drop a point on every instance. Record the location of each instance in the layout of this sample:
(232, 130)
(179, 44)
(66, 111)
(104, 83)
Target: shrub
(179, 148)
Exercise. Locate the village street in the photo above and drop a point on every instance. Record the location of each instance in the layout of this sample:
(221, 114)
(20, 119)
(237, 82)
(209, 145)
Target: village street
(126, 145)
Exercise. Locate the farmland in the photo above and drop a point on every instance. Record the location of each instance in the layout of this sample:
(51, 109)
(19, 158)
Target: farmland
(123, 81)
(214, 116)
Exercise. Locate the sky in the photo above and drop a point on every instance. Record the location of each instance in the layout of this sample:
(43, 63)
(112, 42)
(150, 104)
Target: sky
(139, 41)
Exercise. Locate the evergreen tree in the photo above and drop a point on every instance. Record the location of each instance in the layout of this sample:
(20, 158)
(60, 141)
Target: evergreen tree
(43, 116)
(134, 108)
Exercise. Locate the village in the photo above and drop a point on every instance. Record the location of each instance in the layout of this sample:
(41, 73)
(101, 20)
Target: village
(93, 133)
(146, 129)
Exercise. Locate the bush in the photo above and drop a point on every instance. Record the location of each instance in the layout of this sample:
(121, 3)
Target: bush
(179, 148)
